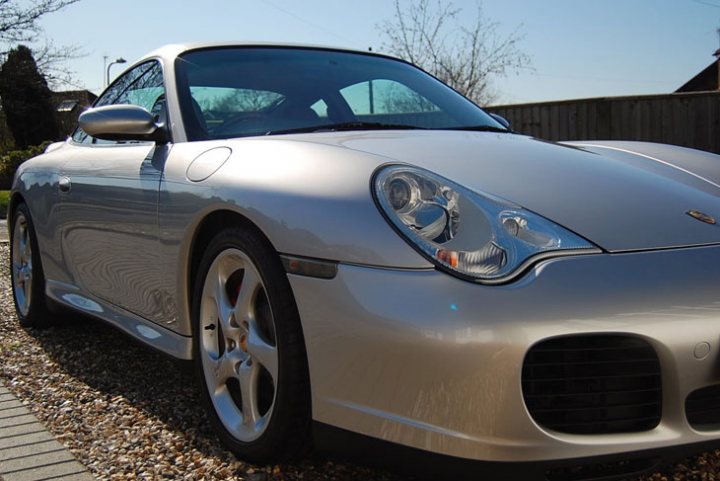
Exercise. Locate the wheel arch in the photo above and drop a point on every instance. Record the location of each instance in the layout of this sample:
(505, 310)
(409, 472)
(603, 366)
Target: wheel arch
(208, 227)
(15, 200)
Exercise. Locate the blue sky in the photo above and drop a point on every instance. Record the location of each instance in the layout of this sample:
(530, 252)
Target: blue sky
(579, 48)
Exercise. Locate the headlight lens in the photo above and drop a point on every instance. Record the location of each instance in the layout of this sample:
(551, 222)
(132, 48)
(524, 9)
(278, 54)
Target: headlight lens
(472, 235)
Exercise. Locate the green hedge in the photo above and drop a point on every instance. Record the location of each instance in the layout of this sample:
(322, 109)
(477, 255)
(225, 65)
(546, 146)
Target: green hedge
(4, 199)
(10, 161)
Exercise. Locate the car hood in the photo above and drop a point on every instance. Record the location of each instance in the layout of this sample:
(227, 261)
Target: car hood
(622, 197)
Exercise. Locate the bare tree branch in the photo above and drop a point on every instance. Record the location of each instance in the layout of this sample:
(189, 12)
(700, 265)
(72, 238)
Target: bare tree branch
(52, 63)
(432, 35)
(19, 24)
(18, 21)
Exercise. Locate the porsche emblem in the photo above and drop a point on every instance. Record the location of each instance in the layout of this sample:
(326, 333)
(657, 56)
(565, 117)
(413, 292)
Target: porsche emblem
(702, 217)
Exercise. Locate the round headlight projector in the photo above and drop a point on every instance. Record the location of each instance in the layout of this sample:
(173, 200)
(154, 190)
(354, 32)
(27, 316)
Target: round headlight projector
(472, 235)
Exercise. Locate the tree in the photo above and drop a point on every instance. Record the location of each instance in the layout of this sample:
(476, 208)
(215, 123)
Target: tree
(243, 100)
(465, 56)
(26, 100)
(19, 24)
(19, 19)
(52, 63)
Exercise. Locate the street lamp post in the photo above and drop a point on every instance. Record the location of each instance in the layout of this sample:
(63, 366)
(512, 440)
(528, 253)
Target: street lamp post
(107, 72)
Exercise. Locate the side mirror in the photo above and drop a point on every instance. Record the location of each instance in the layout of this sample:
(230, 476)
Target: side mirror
(501, 120)
(122, 122)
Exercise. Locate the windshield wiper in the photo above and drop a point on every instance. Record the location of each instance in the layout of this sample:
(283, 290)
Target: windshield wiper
(482, 128)
(345, 126)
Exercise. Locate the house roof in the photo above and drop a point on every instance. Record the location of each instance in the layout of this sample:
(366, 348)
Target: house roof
(68, 100)
(705, 80)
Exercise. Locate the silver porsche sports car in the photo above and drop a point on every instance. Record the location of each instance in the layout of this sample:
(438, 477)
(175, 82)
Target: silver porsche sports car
(347, 247)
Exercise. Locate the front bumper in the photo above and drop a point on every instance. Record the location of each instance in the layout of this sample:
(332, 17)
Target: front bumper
(427, 361)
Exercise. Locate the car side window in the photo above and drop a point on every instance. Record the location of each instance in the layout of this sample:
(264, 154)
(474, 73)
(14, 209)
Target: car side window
(142, 86)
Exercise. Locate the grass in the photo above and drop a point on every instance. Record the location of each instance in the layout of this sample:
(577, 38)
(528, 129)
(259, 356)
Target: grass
(4, 199)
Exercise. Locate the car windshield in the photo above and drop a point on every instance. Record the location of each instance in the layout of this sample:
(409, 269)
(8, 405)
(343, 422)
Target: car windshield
(244, 91)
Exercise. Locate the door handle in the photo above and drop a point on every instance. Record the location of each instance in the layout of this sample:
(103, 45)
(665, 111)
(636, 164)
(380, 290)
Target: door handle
(64, 184)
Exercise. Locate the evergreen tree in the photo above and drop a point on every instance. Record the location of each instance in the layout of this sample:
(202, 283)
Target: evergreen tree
(26, 100)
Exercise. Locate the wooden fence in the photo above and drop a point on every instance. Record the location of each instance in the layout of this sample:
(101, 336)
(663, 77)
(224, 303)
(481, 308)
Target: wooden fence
(687, 119)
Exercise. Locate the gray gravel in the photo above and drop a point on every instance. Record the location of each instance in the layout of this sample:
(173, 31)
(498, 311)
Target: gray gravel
(127, 412)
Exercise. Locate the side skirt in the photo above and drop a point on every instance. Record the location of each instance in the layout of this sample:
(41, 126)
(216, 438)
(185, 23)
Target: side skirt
(147, 332)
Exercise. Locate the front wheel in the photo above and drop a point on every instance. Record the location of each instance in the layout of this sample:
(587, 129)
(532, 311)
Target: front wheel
(250, 353)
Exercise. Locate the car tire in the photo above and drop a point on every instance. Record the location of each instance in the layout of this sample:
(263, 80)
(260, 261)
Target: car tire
(26, 272)
(249, 350)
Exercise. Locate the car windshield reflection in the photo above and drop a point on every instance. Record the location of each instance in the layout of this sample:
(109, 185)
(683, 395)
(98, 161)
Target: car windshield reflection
(237, 92)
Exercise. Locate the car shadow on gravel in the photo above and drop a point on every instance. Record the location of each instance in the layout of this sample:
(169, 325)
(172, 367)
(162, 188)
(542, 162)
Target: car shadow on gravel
(163, 389)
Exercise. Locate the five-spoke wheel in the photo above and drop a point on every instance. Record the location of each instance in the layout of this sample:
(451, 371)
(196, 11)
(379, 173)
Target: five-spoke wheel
(250, 352)
(238, 347)
(22, 264)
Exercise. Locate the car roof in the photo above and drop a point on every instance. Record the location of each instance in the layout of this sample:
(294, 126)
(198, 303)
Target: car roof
(169, 52)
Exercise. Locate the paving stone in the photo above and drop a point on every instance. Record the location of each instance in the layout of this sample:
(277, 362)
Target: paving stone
(9, 404)
(16, 420)
(20, 429)
(85, 476)
(54, 471)
(36, 461)
(14, 412)
(25, 439)
(29, 450)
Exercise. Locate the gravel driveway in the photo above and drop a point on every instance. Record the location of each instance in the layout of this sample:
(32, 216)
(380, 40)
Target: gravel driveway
(127, 412)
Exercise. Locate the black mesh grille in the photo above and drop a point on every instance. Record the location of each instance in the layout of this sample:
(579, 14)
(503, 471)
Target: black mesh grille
(702, 408)
(593, 384)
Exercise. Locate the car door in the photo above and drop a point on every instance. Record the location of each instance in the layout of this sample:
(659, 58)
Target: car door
(108, 196)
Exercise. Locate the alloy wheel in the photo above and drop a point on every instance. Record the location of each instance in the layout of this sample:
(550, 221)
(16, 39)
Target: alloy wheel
(22, 268)
(238, 345)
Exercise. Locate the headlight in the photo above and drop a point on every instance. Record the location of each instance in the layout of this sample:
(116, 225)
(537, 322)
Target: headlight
(471, 235)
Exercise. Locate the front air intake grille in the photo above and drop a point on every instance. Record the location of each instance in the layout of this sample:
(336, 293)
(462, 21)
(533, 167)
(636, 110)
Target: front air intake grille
(593, 384)
(702, 408)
